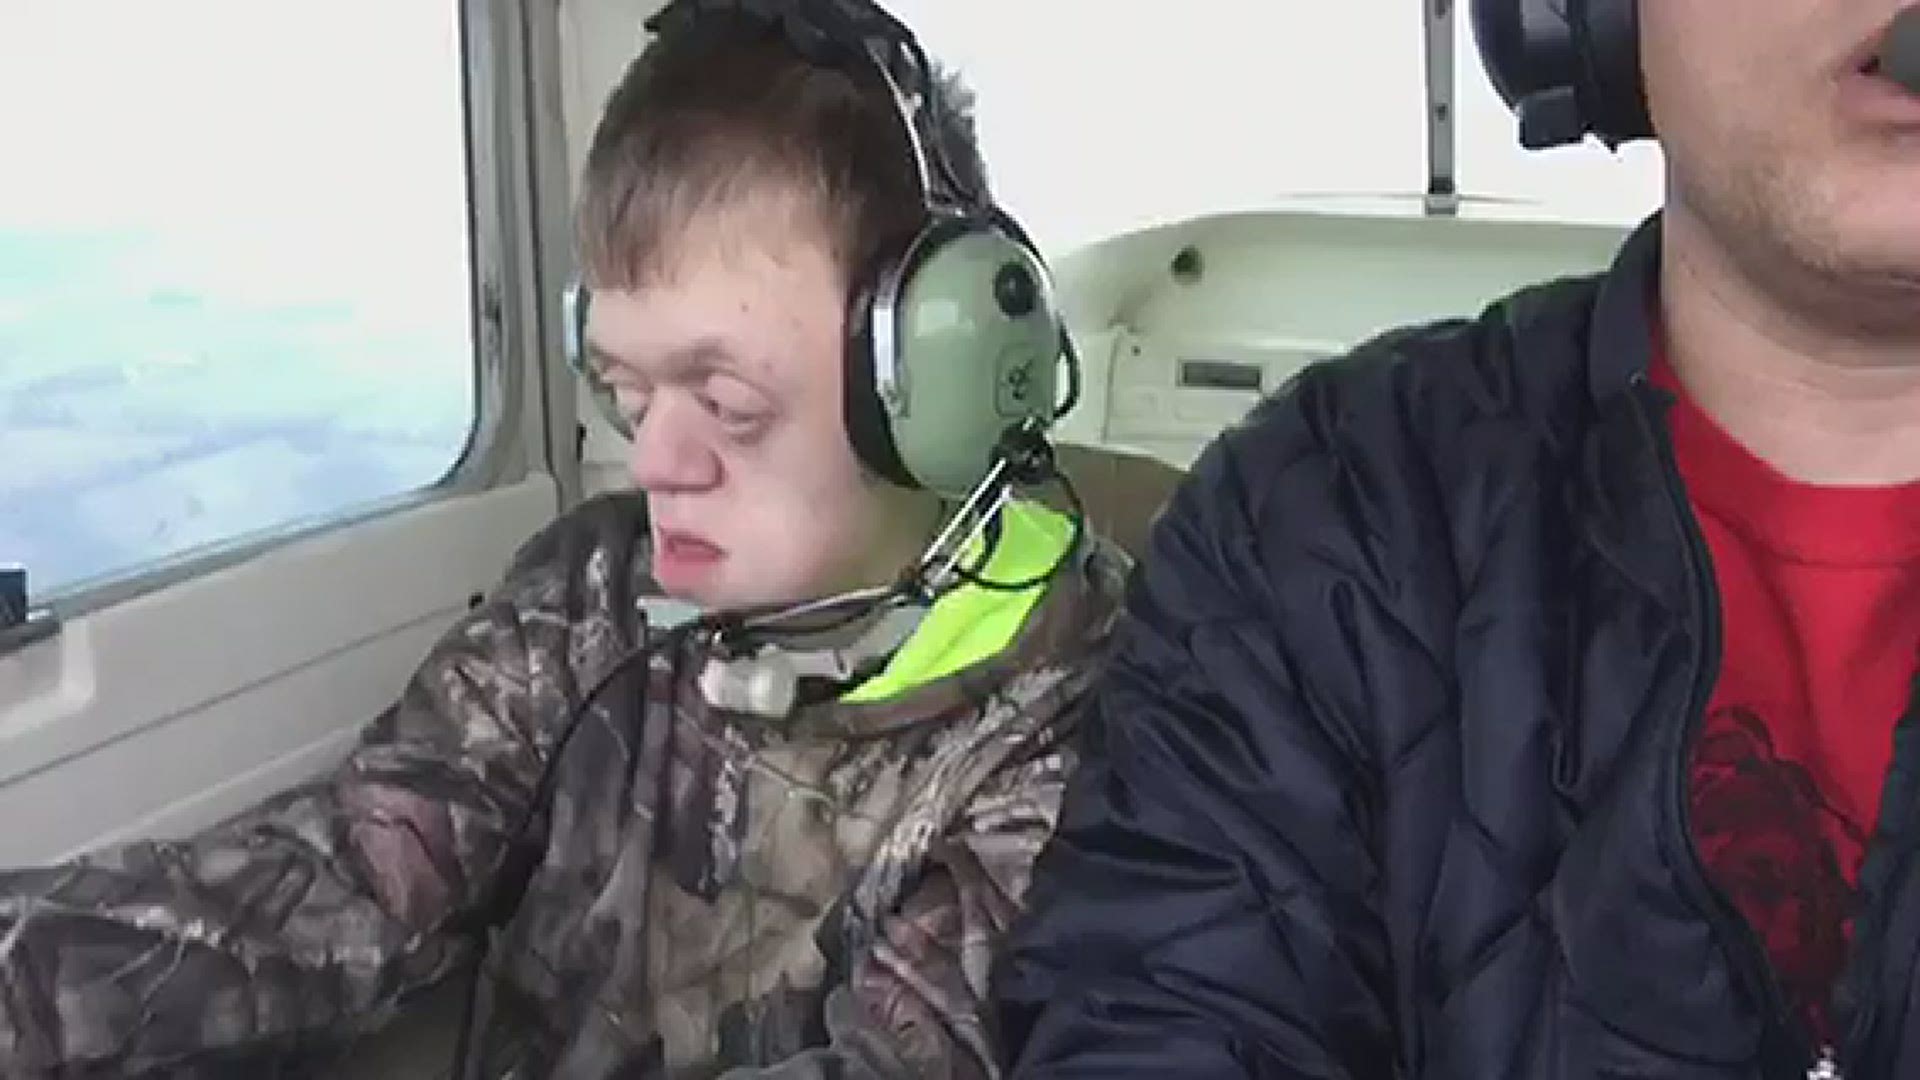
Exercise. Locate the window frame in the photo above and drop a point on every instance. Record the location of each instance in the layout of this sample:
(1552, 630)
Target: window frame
(516, 216)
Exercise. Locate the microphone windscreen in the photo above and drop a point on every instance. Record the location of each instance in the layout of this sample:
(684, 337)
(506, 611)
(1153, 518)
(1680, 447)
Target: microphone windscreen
(764, 685)
(1900, 56)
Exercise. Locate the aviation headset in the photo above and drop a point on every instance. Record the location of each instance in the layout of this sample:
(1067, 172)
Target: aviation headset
(1570, 68)
(955, 338)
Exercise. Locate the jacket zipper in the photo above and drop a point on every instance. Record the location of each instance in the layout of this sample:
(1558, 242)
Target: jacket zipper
(1863, 973)
(1749, 956)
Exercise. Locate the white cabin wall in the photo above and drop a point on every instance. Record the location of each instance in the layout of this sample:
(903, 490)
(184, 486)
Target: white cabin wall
(598, 38)
(1278, 289)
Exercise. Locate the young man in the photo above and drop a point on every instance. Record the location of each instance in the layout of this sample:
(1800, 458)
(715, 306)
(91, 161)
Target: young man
(1533, 696)
(811, 893)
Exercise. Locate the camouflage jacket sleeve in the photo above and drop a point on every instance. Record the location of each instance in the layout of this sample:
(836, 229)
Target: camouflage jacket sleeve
(306, 920)
(914, 1004)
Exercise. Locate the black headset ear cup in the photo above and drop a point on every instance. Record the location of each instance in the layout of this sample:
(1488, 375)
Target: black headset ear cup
(1607, 33)
(1567, 68)
(1499, 36)
(868, 428)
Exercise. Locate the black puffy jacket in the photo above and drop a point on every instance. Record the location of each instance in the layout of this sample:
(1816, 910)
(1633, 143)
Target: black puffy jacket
(1387, 777)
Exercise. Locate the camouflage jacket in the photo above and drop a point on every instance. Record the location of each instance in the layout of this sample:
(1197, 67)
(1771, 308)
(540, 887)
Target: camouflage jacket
(718, 895)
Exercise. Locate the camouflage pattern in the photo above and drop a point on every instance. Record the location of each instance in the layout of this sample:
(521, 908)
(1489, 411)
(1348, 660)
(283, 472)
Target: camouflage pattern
(719, 895)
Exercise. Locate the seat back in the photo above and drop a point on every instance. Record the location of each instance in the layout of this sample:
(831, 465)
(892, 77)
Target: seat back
(1121, 490)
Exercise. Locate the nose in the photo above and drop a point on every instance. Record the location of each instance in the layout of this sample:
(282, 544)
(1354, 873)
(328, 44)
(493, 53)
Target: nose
(668, 453)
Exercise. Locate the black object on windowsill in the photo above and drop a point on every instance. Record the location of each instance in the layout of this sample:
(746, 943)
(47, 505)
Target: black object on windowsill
(21, 624)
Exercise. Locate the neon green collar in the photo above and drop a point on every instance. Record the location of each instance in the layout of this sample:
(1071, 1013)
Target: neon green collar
(971, 623)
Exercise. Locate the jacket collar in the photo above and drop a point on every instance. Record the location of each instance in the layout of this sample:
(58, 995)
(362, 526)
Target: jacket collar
(1620, 338)
(1634, 508)
(1062, 634)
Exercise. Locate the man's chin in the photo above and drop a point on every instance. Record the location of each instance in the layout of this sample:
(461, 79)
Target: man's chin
(1881, 271)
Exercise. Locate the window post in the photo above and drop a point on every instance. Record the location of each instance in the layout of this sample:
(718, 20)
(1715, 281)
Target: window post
(1443, 193)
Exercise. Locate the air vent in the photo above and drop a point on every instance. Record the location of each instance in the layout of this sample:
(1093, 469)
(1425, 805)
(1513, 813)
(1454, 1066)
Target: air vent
(1222, 375)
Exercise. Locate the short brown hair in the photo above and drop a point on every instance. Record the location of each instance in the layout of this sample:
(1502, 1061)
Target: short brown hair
(697, 123)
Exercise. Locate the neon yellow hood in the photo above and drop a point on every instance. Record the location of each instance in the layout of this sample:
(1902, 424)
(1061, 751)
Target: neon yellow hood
(971, 623)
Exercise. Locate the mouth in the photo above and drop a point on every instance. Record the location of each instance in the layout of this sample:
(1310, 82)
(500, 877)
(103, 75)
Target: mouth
(1871, 93)
(1872, 68)
(1871, 58)
(687, 548)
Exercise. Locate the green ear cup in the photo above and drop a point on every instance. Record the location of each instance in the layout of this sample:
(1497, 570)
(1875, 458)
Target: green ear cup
(979, 352)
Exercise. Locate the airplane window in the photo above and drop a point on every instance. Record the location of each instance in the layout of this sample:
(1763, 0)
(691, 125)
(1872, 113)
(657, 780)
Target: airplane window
(1584, 183)
(235, 283)
(1095, 122)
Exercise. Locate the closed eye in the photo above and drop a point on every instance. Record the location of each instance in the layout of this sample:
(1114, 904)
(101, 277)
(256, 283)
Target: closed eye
(739, 408)
(737, 420)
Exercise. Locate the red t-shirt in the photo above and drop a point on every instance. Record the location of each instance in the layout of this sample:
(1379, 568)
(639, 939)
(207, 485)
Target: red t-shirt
(1820, 615)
